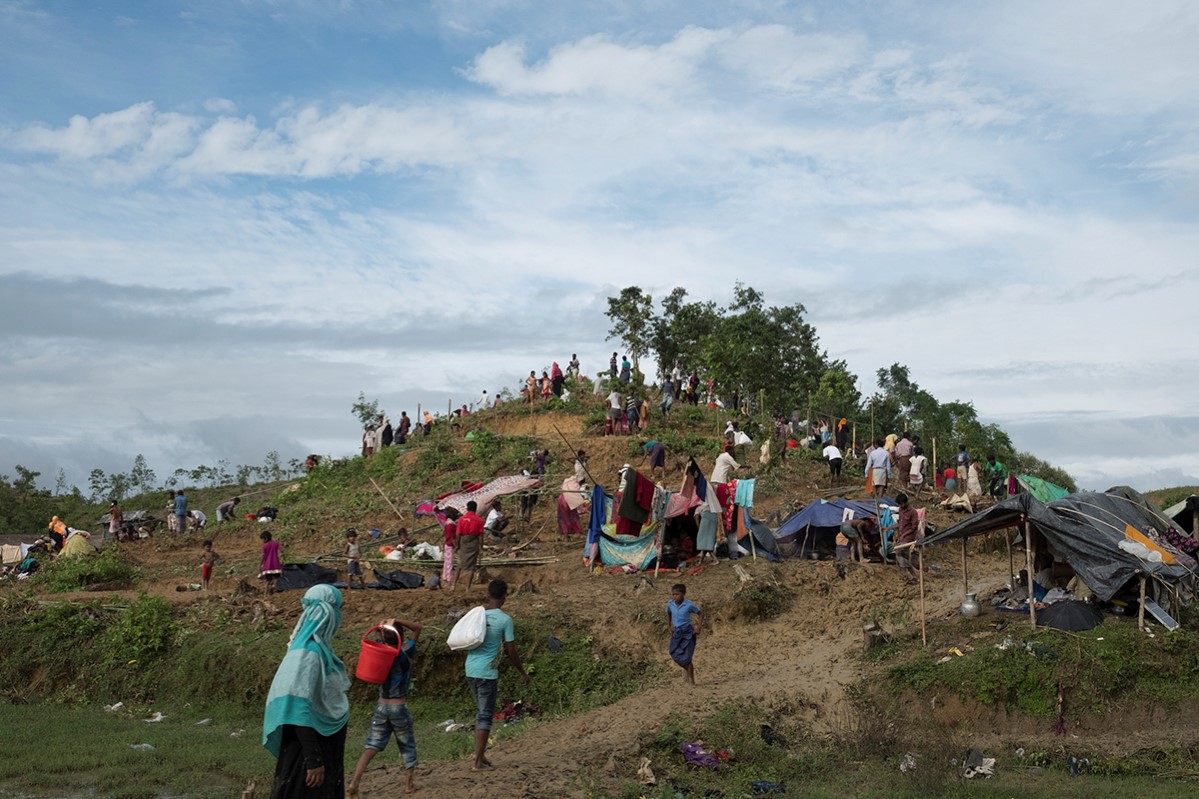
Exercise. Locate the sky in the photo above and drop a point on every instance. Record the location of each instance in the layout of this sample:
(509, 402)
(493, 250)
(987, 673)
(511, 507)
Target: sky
(221, 220)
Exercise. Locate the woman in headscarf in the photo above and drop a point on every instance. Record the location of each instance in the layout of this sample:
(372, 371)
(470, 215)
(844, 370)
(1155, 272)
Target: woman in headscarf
(558, 379)
(304, 726)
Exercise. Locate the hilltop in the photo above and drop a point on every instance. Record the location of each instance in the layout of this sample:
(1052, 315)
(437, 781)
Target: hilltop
(783, 648)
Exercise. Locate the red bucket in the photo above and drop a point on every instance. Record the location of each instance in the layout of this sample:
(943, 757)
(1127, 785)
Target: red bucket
(375, 659)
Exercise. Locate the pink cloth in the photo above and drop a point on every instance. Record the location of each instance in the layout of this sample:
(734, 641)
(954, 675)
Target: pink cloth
(447, 566)
(485, 496)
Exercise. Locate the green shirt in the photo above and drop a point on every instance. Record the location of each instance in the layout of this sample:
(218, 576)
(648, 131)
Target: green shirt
(996, 469)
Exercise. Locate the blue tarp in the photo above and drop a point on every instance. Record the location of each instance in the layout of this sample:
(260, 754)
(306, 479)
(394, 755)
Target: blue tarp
(826, 513)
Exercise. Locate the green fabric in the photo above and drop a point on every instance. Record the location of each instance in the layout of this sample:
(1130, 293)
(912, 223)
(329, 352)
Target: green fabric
(996, 469)
(309, 689)
(1043, 490)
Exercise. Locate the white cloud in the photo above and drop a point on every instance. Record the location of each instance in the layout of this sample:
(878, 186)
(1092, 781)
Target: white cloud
(596, 64)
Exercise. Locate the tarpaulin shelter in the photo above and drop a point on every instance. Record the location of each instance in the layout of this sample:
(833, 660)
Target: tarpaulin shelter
(489, 492)
(1043, 490)
(1183, 514)
(816, 524)
(1107, 538)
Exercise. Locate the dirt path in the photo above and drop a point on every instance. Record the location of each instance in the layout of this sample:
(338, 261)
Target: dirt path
(803, 668)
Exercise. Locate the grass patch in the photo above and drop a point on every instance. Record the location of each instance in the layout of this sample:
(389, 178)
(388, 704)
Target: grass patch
(1100, 670)
(108, 567)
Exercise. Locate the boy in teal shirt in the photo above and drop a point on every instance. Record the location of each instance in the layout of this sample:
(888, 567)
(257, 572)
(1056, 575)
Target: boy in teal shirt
(482, 676)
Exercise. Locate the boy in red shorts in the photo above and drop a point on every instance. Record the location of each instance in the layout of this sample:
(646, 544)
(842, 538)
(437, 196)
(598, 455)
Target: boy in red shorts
(207, 559)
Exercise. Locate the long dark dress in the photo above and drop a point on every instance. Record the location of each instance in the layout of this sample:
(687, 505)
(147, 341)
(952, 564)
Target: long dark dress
(302, 747)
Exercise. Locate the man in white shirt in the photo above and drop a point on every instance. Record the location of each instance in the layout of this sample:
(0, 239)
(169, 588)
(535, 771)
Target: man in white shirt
(724, 468)
(615, 412)
(496, 522)
(833, 456)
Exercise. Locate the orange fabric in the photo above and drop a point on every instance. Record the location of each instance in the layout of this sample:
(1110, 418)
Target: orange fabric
(1136, 535)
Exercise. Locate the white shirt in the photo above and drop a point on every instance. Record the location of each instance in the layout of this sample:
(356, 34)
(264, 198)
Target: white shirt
(614, 400)
(918, 462)
(492, 517)
(199, 517)
(831, 452)
(723, 468)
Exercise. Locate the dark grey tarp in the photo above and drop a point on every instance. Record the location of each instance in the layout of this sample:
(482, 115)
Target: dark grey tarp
(304, 575)
(398, 579)
(1084, 530)
(1182, 514)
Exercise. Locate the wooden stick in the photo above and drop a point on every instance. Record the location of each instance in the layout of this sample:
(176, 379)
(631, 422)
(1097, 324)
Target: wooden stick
(388, 501)
(965, 578)
(1011, 564)
(1141, 609)
(923, 631)
(1032, 599)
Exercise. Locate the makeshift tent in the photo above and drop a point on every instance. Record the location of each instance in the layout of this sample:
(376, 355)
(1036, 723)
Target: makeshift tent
(1043, 490)
(488, 493)
(303, 576)
(1086, 530)
(638, 552)
(815, 525)
(77, 543)
(1182, 514)
(765, 544)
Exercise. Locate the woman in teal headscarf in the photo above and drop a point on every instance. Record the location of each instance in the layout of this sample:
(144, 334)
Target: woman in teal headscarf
(304, 726)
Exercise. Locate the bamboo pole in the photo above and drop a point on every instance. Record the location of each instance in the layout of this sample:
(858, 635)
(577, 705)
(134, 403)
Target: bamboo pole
(923, 631)
(753, 549)
(385, 499)
(1028, 557)
(1141, 609)
(934, 470)
(965, 578)
(1011, 563)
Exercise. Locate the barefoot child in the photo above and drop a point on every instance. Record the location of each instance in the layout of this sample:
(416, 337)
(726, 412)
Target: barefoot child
(353, 555)
(391, 714)
(272, 561)
(682, 635)
(207, 558)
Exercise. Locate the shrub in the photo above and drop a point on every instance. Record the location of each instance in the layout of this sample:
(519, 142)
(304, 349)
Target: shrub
(79, 572)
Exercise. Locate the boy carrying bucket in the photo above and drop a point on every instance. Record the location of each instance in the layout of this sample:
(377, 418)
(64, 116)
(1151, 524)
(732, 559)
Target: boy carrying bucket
(391, 716)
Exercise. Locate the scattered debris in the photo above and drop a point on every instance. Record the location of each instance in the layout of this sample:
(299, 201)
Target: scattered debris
(645, 773)
(977, 765)
(766, 786)
(553, 644)
(203, 722)
(908, 763)
(113, 708)
(155, 717)
(1076, 764)
(248, 793)
(742, 574)
(142, 747)
(768, 734)
(236, 733)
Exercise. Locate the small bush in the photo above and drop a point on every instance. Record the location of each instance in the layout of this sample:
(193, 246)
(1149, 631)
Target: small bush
(139, 634)
(761, 601)
(79, 572)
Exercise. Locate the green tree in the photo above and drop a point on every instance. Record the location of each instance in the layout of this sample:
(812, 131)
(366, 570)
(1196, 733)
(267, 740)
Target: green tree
(758, 349)
(631, 314)
(678, 334)
(272, 467)
(837, 393)
(366, 411)
(141, 476)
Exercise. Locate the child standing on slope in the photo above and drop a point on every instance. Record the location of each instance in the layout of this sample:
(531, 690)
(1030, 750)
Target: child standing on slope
(272, 561)
(682, 634)
(207, 559)
(391, 716)
(353, 555)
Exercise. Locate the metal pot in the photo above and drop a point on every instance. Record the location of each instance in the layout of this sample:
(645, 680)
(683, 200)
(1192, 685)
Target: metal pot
(970, 607)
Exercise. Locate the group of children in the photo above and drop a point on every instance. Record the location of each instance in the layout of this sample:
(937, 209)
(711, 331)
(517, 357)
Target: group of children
(270, 571)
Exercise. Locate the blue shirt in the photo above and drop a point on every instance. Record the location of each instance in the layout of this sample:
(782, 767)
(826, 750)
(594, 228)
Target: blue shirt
(396, 685)
(680, 615)
(480, 661)
(180, 505)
